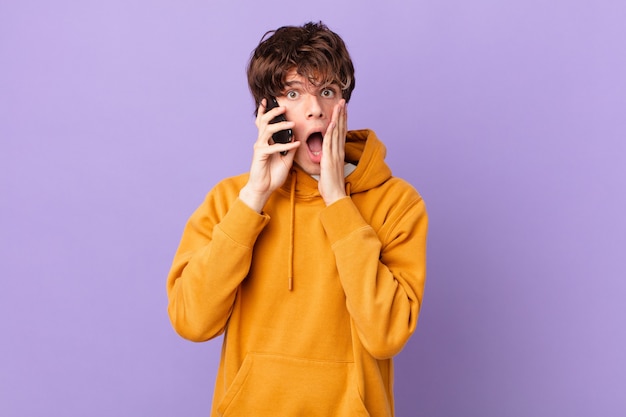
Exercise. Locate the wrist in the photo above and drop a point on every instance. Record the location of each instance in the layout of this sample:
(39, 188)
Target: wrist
(253, 199)
(330, 199)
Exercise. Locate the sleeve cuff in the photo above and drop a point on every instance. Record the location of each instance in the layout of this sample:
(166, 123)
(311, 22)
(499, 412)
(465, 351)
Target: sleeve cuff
(340, 219)
(242, 224)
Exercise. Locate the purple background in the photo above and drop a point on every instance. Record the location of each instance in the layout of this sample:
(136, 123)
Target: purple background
(116, 117)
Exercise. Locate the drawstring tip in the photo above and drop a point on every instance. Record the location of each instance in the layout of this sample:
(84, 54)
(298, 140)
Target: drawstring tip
(290, 283)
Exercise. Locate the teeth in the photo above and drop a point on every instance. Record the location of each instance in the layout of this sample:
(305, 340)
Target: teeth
(316, 153)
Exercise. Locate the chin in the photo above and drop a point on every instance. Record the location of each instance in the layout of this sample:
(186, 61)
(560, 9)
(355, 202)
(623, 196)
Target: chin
(310, 167)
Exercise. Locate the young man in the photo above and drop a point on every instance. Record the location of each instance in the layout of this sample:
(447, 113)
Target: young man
(312, 265)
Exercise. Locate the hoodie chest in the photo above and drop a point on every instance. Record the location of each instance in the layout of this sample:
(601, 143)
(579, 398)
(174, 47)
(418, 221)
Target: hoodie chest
(293, 283)
(294, 243)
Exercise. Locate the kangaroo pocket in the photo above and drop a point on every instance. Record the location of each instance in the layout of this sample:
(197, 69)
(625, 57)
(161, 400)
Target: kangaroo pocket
(274, 385)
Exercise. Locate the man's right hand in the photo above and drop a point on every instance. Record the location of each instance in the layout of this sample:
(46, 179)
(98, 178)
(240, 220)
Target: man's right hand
(269, 168)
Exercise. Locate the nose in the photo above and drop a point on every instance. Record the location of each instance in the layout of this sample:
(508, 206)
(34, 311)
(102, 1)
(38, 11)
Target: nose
(314, 108)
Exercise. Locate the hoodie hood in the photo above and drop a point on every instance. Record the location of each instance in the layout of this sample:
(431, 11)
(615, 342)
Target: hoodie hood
(367, 152)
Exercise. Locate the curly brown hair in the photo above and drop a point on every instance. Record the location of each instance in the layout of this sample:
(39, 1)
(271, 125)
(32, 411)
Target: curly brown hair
(313, 50)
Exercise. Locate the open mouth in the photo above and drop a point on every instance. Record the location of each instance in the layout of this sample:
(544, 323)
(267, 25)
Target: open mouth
(314, 142)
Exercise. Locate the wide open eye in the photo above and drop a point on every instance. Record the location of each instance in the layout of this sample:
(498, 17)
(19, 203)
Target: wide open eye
(328, 92)
(292, 95)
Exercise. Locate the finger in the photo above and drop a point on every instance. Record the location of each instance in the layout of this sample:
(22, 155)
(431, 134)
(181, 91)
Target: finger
(263, 114)
(338, 141)
(328, 139)
(270, 114)
(273, 128)
(260, 110)
(267, 129)
(343, 126)
(341, 137)
(264, 122)
(329, 136)
(285, 147)
(269, 149)
(343, 121)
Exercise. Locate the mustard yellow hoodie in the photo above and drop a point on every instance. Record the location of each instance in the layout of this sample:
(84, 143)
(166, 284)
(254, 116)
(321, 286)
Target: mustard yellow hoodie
(314, 301)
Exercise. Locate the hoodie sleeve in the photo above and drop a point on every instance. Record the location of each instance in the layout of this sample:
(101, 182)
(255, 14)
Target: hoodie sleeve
(383, 274)
(212, 259)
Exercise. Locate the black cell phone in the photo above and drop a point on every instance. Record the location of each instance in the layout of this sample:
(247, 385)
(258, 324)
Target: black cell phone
(282, 136)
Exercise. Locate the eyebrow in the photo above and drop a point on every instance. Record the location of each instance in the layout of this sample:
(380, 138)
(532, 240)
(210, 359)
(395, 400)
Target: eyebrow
(292, 83)
(301, 84)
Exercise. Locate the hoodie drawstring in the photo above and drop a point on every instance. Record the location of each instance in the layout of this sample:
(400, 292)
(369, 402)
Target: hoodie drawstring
(292, 220)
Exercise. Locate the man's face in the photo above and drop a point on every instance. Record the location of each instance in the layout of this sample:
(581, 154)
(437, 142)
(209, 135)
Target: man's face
(310, 107)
